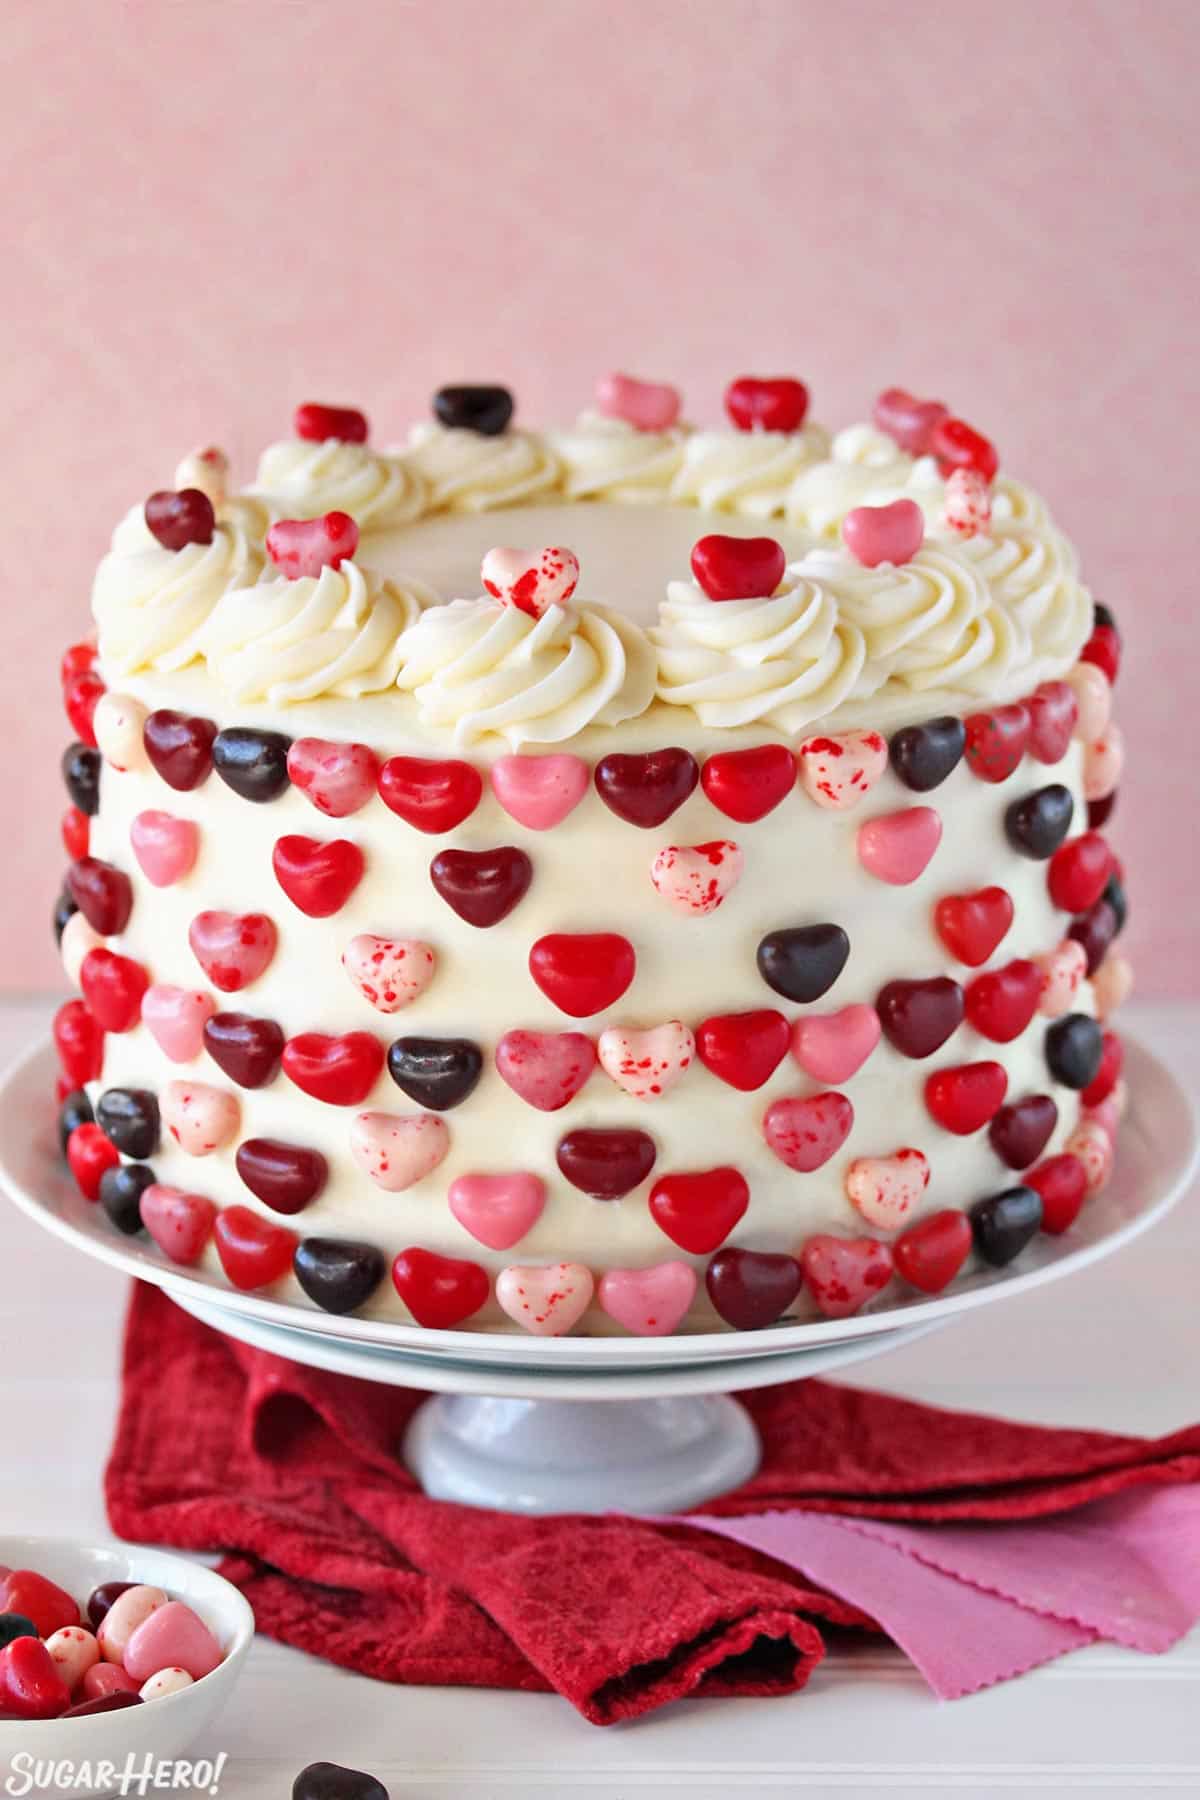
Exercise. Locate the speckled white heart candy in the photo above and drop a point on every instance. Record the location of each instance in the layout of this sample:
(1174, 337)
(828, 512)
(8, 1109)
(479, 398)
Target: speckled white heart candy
(694, 879)
(546, 1302)
(646, 1063)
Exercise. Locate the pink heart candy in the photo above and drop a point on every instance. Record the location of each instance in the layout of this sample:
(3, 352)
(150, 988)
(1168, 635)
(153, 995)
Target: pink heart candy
(389, 972)
(834, 1046)
(77, 939)
(805, 1133)
(884, 534)
(646, 1063)
(303, 547)
(1063, 970)
(910, 421)
(117, 723)
(233, 949)
(885, 1189)
(842, 1274)
(1092, 1145)
(532, 581)
(539, 791)
(693, 879)
(1103, 763)
(840, 768)
(180, 1224)
(545, 1301)
(899, 847)
(1093, 697)
(649, 1302)
(173, 1637)
(200, 1118)
(397, 1149)
(1112, 983)
(497, 1210)
(648, 405)
(338, 779)
(175, 1018)
(127, 1613)
(546, 1068)
(166, 847)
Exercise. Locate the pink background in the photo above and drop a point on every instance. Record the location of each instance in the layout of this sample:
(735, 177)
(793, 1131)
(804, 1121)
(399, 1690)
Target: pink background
(216, 210)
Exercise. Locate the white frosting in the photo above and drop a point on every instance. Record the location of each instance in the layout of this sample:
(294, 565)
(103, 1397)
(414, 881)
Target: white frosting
(609, 459)
(150, 604)
(298, 479)
(467, 471)
(749, 472)
(864, 468)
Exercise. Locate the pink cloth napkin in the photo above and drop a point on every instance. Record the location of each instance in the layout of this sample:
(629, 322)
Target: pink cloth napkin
(974, 1604)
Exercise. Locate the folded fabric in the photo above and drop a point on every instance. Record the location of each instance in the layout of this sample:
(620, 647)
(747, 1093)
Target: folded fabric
(292, 1473)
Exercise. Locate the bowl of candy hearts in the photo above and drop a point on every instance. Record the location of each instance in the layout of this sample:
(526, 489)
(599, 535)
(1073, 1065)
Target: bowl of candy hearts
(107, 1654)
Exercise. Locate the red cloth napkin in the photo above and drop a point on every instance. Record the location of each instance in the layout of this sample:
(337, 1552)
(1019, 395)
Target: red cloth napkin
(293, 1474)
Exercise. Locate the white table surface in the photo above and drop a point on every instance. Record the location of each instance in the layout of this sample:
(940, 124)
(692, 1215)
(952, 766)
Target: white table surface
(1115, 1347)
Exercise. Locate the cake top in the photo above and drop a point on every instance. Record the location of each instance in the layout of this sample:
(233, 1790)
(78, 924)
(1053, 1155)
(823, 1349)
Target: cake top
(757, 574)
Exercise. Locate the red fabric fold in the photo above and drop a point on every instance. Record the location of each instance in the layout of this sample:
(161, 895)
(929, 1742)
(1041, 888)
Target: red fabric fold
(292, 1474)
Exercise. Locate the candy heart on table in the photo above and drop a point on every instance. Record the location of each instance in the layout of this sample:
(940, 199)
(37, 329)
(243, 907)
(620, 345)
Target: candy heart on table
(738, 568)
(804, 1133)
(766, 403)
(166, 847)
(1036, 824)
(694, 879)
(435, 1072)
(1103, 764)
(997, 740)
(394, 1150)
(89, 1155)
(842, 1274)
(750, 1288)
(1074, 1050)
(340, 1070)
(930, 1254)
(1020, 1131)
(885, 1189)
(748, 784)
(648, 1302)
(884, 534)
(181, 1224)
(302, 548)
(73, 1651)
(432, 794)
(1053, 715)
(958, 446)
(121, 1190)
(200, 1118)
(547, 1069)
(1092, 1147)
(839, 769)
(645, 790)
(1062, 1183)
(79, 1041)
(898, 847)
(539, 791)
(1062, 971)
(338, 779)
(582, 973)
(439, 1291)
(834, 1046)
(48, 1606)
(697, 1211)
(743, 1049)
(646, 405)
(285, 1177)
(802, 963)
(118, 722)
(77, 941)
(254, 1252)
(919, 1016)
(967, 510)
(1001, 1003)
(129, 1118)
(316, 424)
(175, 1018)
(389, 973)
(484, 410)
(177, 519)
(317, 877)
(545, 1301)
(233, 949)
(964, 1099)
(246, 1048)
(127, 1612)
(1093, 700)
(253, 763)
(179, 746)
(922, 756)
(172, 1637)
(31, 1685)
(1002, 1224)
(103, 894)
(113, 987)
(1077, 875)
(530, 581)
(911, 422)
(338, 1274)
(482, 886)
(606, 1164)
(497, 1210)
(646, 1064)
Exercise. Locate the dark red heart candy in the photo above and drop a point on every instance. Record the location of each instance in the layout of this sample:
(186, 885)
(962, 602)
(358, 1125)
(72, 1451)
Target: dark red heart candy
(606, 1164)
(1062, 1183)
(997, 740)
(483, 886)
(738, 568)
(748, 784)
(104, 895)
(1001, 1003)
(285, 1177)
(179, 747)
(751, 1289)
(317, 424)
(1020, 1131)
(645, 790)
(248, 1049)
(1053, 714)
(918, 1016)
(179, 519)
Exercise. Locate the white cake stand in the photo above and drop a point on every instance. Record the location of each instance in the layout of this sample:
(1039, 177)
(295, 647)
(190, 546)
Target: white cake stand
(531, 1424)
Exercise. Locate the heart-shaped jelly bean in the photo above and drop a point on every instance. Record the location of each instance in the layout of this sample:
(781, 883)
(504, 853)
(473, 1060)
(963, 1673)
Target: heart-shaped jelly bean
(1112, 1059)
(434, 795)
(1062, 1183)
(1074, 1048)
(919, 1016)
(839, 769)
(104, 895)
(884, 534)
(435, 1072)
(49, 1607)
(546, 1302)
(582, 973)
(1001, 1003)
(101, 1600)
(1077, 875)
(646, 405)
(75, 1110)
(129, 1118)
(89, 1156)
(497, 1210)
(922, 756)
(484, 410)
(1062, 971)
(1092, 1146)
(645, 790)
(79, 1041)
(1112, 984)
(547, 1069)
(751, 1289)
(832, 1047)
(389, 973)
(967, 509)
(648, 1302)
(805, 1132)
(175, 1017)
(1093, 700)
(76, 833)
(120, 1622)
(233, 949)
(767, 403)
(65, 910)
(340, 1070)
(694, 879)
(1036, 824)
(1104, 649)
(317, 877)
(886, 1189)
(181, 1224)
(177, 519)
(1020, 1131)
(331, 1781)
(738, 568)
(911, 422)
(958, 446)
(166, 847)
(173, 1637)
(1004, 1223)
(842, 1274)
(606, 1164)
(246, 1048)
(697, 1211)
(285, 1177)
(1053, 715)
(962, 1100)
(646, 1064)
(439, 1291)
(1103, 766)
(395, 1151)
(253, 763)
(530, 581)
(898, 847)
(121, 1190)
(119, 722)
(743, 1049)
(179, 747)
(748, 784)
(200, 1118)
(73, 1651)
(482, 886)
(338, 779)
(81, 773)
(302, 548)
(996, 741)
(338, 1274)
(973, 925)
(317, 424)
(931, 1253)
(540, 791)
(254, 1252)
(31, 1686)
(113, 987)
(802, 963)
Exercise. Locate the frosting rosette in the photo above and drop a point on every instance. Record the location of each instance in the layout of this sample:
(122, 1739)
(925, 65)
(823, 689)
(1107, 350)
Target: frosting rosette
(863, 467)
(1033, 571)
(475, 666)
(150, 604)
(465, 471)
(298, 479)
(749, 472)
(609, 459)
(334, 633)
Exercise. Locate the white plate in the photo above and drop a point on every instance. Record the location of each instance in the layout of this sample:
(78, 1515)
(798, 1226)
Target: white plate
(1157, 1159)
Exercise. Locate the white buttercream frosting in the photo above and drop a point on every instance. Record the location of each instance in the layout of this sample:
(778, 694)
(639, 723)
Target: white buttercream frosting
(298, 479)
(150, 603)
(864, 467)
(749, 472)
(467, 471)
(609, 459)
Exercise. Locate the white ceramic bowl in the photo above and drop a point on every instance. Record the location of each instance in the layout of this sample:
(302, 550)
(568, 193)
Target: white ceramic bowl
(160, 1729)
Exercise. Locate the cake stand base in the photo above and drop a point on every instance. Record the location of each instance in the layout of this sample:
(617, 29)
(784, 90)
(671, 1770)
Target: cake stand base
(581, 1456)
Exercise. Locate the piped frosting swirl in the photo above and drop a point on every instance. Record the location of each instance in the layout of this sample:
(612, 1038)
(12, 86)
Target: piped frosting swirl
(298, 479)
(151, 604)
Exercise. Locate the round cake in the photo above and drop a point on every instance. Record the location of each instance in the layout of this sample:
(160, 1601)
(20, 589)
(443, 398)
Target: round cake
(698, 916)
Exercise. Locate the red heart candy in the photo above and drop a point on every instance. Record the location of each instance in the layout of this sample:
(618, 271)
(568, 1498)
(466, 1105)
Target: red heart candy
(962, 1100)
(547, 1069)
(972, 925)
(76, 831)
(285, 1177)
(433, 795)
(30, 1684)
(1112, 1058)
(439, 1291)
(762, 403)
(113, 987)
(909, 420)
(89, 1154)
(583, 972)
(918, 1016)
(48, 1607)
(81, 694)
(743, 1049)
(750, 1288)
(247, 1049)
(805, 1133)
(842, 1274)
(338, 779)
(606, 1164)
(303, 547)
(254, 1251)
(104, 895)
(341, 1071)
(233, 949)
(930, 1255)
(316, 424)
(958, 446)
(1021, 1130)
(179, 747)
(79, 1041)
(997, 740)
(179, 519)
(483, 886)
(1076, 876)
(180, 1224)
(646, 790)
(1104, 649)
(1001, 1003)
(1053, 714)
(1062, 1183)
(748, 784)
(698, 1211)
(737, 568)
(317, 877)
(76, 658)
